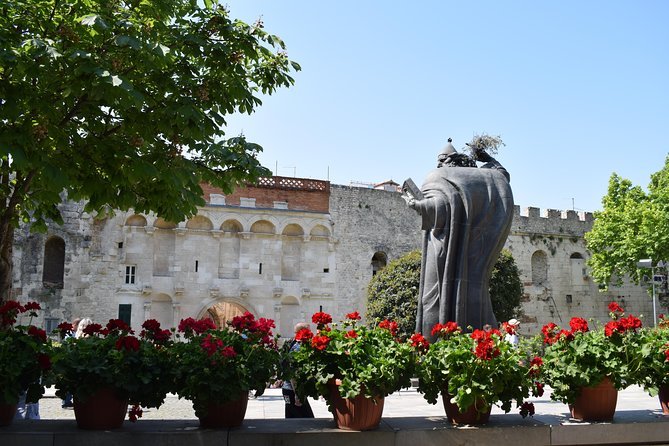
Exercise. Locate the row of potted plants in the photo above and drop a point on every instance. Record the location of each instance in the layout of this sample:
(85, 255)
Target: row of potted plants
(110, 368)
(352, 365)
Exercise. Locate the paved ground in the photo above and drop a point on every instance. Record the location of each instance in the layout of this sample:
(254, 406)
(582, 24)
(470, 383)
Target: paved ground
(633, 405)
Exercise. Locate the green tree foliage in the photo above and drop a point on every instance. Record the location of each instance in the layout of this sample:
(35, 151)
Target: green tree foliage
(506, 287)
(122, 103)
(393, 292)
(633, 225)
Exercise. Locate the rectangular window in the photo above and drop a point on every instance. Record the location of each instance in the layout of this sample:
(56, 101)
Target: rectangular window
(50, 324)
(259, 268)
(130, 271)
(124, 312)
(197, 264)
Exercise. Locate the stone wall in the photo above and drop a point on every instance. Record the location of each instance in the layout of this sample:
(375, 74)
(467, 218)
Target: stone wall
(287, 263)
(368, 221)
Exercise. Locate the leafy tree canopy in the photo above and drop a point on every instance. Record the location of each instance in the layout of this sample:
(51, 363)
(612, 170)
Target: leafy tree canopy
(393, 292)
(633, 225)
(506, 288)
(123, 103)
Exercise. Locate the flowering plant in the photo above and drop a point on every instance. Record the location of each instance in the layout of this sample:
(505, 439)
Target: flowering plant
(477, 369)
(367, 360)
(136, 368)
(219, 365)
(581, 357)
(651, 363)
(24, 354)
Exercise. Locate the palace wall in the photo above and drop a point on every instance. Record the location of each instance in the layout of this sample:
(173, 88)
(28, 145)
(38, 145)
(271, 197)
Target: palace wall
(283, 251)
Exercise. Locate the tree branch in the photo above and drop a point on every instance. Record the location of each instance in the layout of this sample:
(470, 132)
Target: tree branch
(75, 107)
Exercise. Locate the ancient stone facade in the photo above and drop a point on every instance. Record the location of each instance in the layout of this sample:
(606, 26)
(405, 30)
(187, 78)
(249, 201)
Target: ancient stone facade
(283, 249)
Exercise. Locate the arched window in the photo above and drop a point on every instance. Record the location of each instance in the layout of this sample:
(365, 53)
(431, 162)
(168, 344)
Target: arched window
(54, 262)
(578, 270)
(539, 268)
(379, 261)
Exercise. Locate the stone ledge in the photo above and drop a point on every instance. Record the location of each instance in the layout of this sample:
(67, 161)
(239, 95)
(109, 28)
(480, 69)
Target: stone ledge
(402, 431)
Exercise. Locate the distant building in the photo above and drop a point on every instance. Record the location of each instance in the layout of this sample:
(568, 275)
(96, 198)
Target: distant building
(284, 249)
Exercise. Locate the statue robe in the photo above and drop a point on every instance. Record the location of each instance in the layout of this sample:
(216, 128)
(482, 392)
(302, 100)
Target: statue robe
(466, 216)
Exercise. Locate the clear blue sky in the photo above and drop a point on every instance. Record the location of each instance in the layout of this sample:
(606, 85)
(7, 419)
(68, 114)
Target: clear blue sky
(576, 89)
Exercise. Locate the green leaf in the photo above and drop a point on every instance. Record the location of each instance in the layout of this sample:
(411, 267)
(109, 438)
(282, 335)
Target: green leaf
(128, 41)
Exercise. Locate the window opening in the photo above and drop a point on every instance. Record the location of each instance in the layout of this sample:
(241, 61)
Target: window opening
(130, 271)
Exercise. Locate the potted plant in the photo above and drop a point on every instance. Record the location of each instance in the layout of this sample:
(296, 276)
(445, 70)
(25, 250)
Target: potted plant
(650, 367)
(353, 366)
(475, 370)
(24, 356)
(216, 368)
(584, 366)
(108, 368)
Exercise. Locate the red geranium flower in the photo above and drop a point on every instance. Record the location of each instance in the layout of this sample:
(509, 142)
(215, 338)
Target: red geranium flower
(64, 328)
(391, 326)
(615, 308)
(352, 334)
(538, 389)
(578, 324)
(419, 341)
(444, 329)
(151, 325)
(630, 322)
(37, 333)
(228, 352)
(92, 329)
(321, 319)
(486, 350)
(526, 409)
(304, 334)
(355, 316)
(128, 343)
(535, 366)
(32, 306)
(117, 325)
(320, 342)
(210, 344)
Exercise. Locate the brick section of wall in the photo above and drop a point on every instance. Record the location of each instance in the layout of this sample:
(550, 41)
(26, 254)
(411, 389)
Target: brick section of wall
(300, 193)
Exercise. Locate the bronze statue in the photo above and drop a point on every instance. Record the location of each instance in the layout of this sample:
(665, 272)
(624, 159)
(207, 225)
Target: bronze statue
(466, 216)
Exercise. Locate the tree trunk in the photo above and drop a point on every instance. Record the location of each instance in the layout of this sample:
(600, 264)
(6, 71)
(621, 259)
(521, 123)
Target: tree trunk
(6, 261)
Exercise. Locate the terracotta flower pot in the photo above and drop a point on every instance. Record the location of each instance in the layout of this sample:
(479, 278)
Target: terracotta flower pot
(7, 412)
(469, 416)
(356, 414)
(225, 415)
(596, 403)
(103, 410)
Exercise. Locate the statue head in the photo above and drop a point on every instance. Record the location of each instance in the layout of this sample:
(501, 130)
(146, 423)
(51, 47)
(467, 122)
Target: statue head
(451, 158)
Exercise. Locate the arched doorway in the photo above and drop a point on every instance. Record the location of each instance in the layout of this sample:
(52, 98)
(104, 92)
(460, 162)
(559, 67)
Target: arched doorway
(222, 312)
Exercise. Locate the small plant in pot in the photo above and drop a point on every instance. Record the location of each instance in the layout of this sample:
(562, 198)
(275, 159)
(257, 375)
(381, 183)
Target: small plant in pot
(581, 364)
(107, 368)
(474, 371)
(216, 368)
(24, 357)
(352, 365)
(650, 367)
